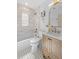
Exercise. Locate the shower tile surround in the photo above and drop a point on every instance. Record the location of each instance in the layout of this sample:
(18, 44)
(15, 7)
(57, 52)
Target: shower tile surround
(24, 32)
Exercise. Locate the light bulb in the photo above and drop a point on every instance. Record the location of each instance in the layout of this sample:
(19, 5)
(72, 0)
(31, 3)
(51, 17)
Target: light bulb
(26, 3)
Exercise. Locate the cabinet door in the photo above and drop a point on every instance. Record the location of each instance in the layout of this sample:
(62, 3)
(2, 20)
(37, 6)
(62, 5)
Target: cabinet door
(45, 47)
(52, 47)
(56, 48)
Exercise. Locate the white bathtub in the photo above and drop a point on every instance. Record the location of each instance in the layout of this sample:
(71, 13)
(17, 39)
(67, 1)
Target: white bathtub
(23, 47)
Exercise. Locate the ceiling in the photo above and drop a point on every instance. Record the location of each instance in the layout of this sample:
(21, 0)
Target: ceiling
(33, 3)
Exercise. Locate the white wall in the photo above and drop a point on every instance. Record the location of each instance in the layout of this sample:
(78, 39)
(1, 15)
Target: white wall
(44, 20)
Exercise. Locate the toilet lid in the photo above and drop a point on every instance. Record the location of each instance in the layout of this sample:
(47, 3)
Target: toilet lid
(34, 40)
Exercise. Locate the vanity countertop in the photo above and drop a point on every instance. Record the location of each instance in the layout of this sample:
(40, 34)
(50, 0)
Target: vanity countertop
(54, 35)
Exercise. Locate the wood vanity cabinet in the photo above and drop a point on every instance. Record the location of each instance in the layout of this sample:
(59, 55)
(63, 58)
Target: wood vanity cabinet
(51, 48)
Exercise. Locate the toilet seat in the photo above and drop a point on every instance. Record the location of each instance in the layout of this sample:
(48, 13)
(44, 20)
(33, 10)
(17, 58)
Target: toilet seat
(34, 40)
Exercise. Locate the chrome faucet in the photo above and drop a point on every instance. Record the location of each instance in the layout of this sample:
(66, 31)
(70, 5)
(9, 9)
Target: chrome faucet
(55, 29)
(36, 33)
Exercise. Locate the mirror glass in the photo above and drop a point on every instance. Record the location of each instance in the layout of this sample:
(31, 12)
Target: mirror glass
(55, 16)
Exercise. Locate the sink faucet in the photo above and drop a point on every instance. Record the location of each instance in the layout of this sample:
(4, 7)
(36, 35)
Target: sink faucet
(55, 29)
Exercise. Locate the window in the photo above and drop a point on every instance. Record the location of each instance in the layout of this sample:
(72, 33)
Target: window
(25, 19)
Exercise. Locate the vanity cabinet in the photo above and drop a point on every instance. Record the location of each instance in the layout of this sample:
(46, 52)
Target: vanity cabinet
(51, 48)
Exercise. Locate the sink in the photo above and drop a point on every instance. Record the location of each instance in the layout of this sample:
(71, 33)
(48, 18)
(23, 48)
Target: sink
(54, 35)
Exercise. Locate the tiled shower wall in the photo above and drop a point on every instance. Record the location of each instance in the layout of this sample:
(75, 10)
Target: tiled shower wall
(24, 32)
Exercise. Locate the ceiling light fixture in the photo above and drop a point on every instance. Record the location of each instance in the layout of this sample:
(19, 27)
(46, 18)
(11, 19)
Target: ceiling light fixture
(26, 3)
(54, 2)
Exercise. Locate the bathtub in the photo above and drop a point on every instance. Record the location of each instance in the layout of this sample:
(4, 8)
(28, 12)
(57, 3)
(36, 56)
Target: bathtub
(24, 47)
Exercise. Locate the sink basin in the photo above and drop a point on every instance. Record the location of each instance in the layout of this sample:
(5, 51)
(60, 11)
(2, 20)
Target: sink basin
(54, 35)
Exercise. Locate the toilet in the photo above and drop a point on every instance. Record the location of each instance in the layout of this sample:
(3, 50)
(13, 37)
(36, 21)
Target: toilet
(34, 44)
